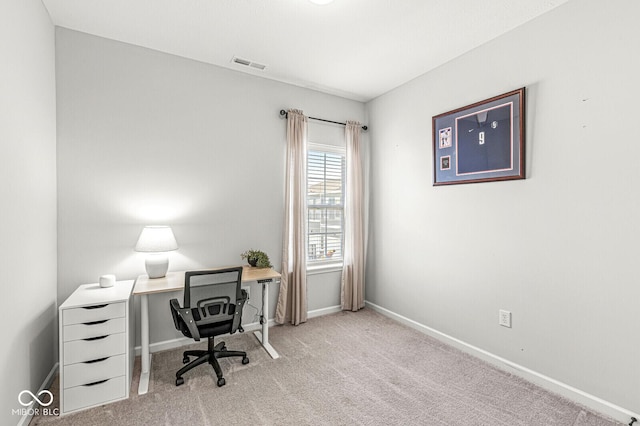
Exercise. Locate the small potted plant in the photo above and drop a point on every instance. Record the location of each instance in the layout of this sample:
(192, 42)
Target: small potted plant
(257, 258)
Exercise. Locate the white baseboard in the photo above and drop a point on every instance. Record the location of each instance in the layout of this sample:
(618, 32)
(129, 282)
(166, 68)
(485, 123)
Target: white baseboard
(26, 418)
(183, 341)
(324, 311)
(590, 401)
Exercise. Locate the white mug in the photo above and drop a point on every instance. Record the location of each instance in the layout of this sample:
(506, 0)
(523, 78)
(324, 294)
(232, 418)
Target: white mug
(107, 280)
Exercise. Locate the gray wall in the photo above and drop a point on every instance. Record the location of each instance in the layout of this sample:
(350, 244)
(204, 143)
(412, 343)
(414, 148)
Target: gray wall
(150, 138)
(28, 193)
(559, 249)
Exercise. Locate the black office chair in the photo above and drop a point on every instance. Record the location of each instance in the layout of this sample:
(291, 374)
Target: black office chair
(213, 302)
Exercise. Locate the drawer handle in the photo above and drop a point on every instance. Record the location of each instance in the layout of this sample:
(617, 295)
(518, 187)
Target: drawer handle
(95, 322)
(95, 306)
(96, 338)
(96, 360)
(96, 383)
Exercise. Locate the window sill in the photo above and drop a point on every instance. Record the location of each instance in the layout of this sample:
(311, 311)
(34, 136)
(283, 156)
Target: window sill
(324, 268)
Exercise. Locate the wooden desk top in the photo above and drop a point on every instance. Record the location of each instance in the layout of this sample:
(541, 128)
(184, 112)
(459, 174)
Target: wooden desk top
(174, 281)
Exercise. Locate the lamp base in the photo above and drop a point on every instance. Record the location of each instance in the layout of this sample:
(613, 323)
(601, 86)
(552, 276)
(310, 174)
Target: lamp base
(157, 265)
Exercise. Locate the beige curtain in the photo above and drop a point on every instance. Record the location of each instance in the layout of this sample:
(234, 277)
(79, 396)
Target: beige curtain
(352, 297)
(292, 300)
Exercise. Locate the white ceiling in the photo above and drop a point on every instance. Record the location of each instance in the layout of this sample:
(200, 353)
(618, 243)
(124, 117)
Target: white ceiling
(358, 49)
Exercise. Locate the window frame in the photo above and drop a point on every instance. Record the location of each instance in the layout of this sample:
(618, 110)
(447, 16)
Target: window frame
(324, 265)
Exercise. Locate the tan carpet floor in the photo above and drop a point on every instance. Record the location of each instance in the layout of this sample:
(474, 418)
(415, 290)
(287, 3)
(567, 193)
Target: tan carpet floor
(341, 369)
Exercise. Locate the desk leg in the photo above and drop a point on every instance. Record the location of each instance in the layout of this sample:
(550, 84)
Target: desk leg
(264, 320)
(145, 356)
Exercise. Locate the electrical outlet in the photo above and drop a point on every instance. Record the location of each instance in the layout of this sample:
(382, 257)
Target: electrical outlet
(504, 318)
(248, 290)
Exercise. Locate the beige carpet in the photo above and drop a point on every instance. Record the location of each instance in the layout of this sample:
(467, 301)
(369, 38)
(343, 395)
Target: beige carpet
(342, 369)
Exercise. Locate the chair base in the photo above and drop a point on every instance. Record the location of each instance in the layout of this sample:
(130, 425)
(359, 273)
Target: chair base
(211, 356)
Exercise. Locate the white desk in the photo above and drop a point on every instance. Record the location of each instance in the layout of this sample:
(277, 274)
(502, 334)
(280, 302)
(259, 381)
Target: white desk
(174, 281)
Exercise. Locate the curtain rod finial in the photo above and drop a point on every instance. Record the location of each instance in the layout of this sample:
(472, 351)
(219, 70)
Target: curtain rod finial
(283, 113)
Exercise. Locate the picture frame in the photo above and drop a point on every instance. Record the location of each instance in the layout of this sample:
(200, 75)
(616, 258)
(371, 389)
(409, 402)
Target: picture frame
(481, 142)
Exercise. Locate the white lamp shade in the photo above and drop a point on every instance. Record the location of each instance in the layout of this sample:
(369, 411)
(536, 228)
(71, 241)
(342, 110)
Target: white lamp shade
(155, 239)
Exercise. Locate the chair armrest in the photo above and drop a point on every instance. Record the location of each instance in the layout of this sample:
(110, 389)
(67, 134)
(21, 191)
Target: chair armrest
(184, 315)
(237, 317)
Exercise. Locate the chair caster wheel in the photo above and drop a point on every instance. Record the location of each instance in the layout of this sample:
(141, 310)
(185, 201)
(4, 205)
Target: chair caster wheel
(221, 382)
(179, 381)
(245, 360)
(185, 360)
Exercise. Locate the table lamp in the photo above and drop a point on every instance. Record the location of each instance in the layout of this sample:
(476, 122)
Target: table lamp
(157, 240)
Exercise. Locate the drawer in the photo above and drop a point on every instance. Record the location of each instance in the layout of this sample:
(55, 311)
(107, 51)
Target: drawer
(93, 313)
(89, 395)
(94, 371)
(93, 329)
(88, 350)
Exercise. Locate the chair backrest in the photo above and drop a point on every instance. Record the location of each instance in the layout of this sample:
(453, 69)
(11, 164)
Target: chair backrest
(214, 296)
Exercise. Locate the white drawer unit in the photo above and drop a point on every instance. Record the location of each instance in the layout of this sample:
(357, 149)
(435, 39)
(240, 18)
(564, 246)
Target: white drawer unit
(96, 346)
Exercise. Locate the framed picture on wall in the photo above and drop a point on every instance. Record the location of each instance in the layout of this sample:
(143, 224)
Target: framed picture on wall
(481, 142)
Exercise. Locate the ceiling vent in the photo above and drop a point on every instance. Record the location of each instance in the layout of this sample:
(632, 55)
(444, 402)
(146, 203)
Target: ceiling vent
(248, 63)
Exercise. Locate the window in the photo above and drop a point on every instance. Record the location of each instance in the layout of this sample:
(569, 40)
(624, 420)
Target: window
(325, 203)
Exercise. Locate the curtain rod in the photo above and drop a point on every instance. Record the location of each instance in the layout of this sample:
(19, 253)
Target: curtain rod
(284, 113)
